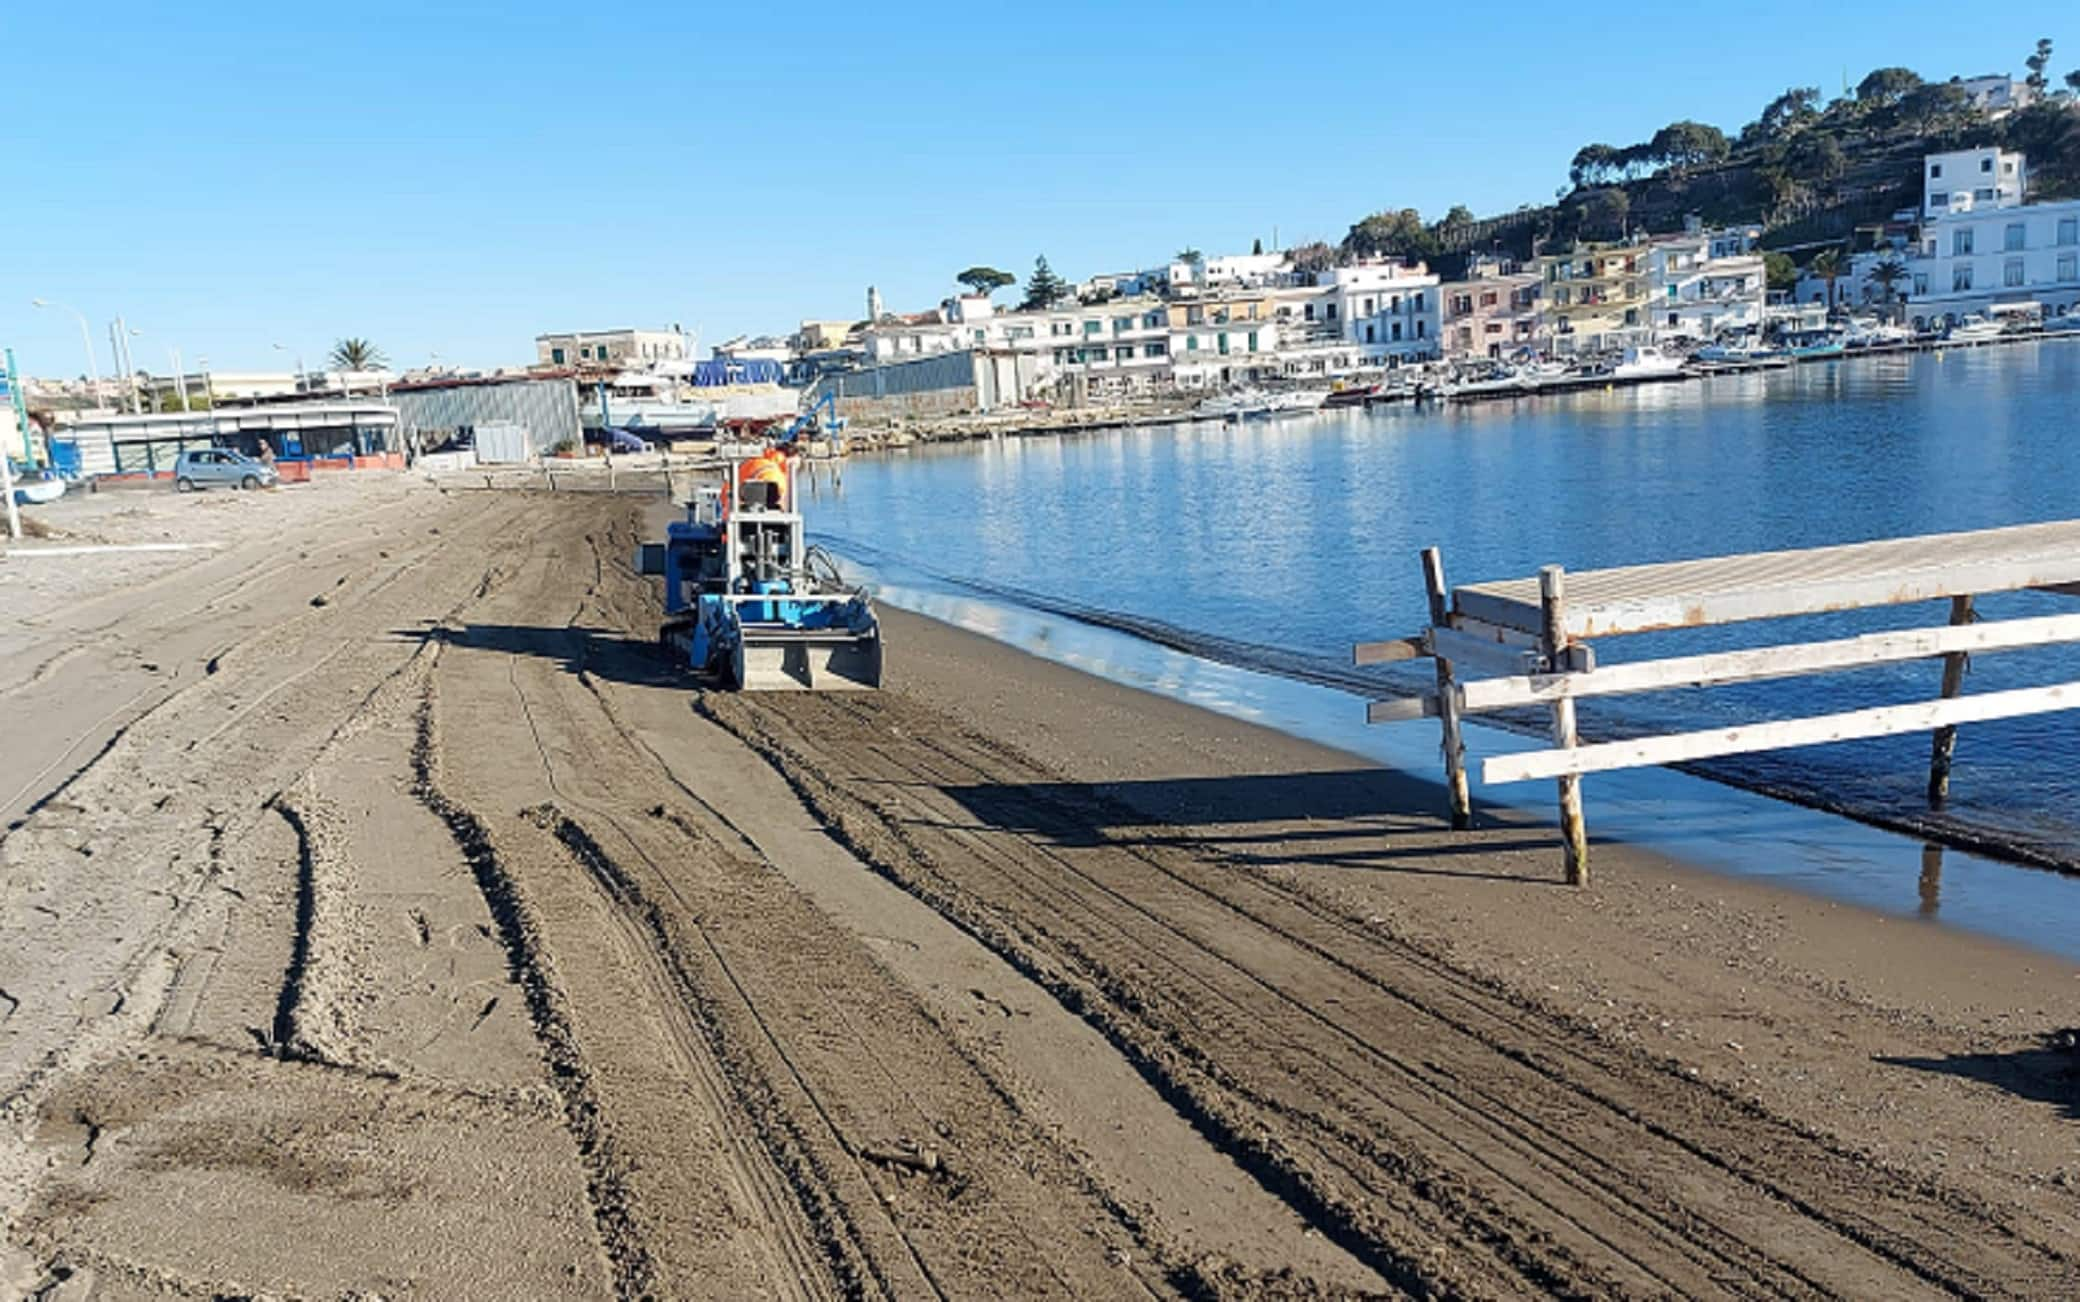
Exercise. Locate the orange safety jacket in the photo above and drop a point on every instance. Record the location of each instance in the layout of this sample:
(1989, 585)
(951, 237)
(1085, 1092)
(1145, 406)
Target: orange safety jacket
(769, 468)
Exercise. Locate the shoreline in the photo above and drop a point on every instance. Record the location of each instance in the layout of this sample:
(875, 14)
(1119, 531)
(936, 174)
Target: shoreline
(1821, 844)
(1004, 978)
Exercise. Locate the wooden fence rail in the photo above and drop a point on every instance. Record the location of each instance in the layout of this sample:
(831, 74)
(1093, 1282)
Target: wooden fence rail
(1524, 642)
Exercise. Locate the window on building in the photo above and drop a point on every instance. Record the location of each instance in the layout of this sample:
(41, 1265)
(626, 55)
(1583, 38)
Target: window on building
(1191, 343)
(1221, 342)
(1939, 200)
(1153, 321)
(1960, 279)
(1253, 341)
(2011, 272)
(1488, 298)
(1422, 328)
(1123, 353)
(1986, 164)
(1935, 171)
(1961, 242)
(2012, 239)
(1920, 284)
(1094, 327)
(1397, 332)
(1122, 324)
(556, 356)
(1307, 312)
(1370, 336)
(1394, 303)
(2069, 230)
(1159, 348)
(2069, 266)
(1674, 320)
(1368, 308)
(1465, 336)
(1419, 302)
(1984, 194)
(1332, 311)
(2008, 168)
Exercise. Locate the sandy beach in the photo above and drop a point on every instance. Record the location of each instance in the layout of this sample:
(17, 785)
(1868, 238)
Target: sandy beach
(380, 916)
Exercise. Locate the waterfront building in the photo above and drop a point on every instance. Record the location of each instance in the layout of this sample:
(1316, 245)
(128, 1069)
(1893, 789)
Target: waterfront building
(1702, 284)
(1493, 312)
(1976, 254)
(624, 348)
(823, 336)
(1390, 311)
(1594, 298)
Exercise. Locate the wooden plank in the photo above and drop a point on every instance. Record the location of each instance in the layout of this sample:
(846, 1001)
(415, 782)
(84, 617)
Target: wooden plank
(1880, 721)
(1389, 651)
(1721, 667)
(1943, 747)
(1574, 829)
(1486, 657)
(1486, 632)
(1400, 709)
(1763, 585)
(1459, 796)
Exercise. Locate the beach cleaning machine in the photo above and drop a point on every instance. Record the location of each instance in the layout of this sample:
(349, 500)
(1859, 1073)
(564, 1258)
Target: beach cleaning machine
(748, 603)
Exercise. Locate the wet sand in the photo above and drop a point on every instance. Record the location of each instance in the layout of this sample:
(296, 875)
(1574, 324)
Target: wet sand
(438, 939)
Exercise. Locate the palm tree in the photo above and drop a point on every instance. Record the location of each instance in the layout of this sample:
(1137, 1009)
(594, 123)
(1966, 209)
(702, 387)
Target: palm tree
(1888, 274)
(357, 355)
(1828, 267)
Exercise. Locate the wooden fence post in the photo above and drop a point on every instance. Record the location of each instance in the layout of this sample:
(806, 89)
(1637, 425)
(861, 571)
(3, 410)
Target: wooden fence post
(1447, 697)
(1552, 593)
(1944, 746)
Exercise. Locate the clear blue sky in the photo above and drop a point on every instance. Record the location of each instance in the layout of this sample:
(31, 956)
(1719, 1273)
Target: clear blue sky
(458, 178)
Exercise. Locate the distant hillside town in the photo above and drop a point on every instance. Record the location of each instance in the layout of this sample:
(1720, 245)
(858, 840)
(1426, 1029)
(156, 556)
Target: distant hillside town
(1917, 204)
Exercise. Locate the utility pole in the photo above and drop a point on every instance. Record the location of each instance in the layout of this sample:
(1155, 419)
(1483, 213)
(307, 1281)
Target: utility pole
(14, 393)
(180, 377)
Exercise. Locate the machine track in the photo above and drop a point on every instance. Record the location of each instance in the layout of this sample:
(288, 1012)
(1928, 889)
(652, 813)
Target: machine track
(1459, 1139)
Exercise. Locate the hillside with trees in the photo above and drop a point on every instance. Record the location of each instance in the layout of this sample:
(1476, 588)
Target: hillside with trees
(1807, 170)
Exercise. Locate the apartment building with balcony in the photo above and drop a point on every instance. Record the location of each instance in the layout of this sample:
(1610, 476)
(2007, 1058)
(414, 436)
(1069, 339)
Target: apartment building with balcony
(1981, 253)
(1594, 298)
(1493, 312)
(1702, 284)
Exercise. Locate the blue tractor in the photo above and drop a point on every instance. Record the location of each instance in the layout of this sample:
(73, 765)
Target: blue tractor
(750, 605)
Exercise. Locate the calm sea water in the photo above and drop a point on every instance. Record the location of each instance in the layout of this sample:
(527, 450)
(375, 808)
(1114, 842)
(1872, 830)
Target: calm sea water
(1276, 546)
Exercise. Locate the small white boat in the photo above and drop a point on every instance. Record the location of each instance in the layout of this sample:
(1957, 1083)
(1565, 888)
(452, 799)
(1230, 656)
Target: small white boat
(1646, 362)
(1297, 400)
(2067, 324)
(1974, 327)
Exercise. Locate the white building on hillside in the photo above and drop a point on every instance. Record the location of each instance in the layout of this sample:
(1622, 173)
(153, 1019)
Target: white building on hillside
(1996, 94)
(1390, 310)
(1969, 180)
(1705, 283)
(2000, 251)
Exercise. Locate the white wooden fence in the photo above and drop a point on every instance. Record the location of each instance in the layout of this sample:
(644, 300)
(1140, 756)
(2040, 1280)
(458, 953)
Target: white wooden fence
(1527, 643)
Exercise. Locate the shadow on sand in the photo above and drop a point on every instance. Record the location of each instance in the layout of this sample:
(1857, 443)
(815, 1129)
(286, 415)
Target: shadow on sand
(2049, 1072)
(610, 656)
(1344, 818)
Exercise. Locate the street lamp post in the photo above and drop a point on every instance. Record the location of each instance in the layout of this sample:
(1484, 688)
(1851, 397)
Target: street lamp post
(299, 365)
(120, 333)
(86, 338)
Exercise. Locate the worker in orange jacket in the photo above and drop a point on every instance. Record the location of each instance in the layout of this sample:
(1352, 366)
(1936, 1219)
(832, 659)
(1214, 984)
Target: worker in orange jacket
(770, 467)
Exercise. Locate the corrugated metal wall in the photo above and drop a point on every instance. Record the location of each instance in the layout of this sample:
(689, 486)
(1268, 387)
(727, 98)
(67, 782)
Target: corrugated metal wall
(548, 408)
(922, 375)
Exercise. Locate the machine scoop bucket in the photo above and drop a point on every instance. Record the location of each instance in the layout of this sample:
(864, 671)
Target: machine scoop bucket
(820, 660)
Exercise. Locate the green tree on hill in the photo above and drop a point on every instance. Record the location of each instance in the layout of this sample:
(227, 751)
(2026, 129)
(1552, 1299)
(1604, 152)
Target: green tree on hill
(1935, 109)
(2037, 64)
(1779, 271)
(985, 280)
(1686, 144)
(1885, 87)
(1595, 164)
(1785, 116)
(1044, 289)
(1816, 159)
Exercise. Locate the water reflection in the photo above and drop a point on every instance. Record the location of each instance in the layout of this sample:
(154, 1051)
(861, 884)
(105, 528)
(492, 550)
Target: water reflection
(1301, 537)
